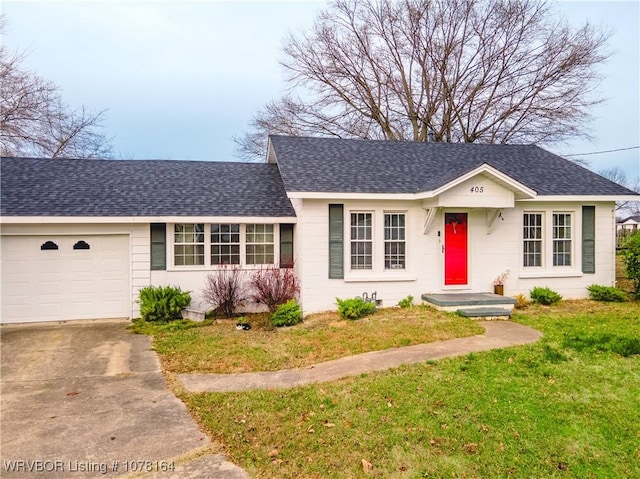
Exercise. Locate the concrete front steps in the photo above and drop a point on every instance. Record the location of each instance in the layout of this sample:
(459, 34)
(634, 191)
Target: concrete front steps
(472, 305)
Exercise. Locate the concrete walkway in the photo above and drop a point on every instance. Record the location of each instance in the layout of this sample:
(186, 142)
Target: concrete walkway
(498, 334)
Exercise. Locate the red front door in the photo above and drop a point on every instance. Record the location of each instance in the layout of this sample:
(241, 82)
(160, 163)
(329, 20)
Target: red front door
(455, 248)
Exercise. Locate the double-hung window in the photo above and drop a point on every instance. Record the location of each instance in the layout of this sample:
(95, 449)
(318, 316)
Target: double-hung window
(260, 244)
(361, 241)
(394, 241)
(562, 239)
(225, 243)
(547, 239)
(188, 244)
(532, 240)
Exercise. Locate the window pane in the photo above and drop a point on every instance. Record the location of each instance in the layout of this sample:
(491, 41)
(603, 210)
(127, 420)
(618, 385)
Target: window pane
(562, 239)
(260, 244)
(225, 243)
(532, 240)
(533, 253)
(361, 243)
(394, 235)
(188, 244)
(189, 255)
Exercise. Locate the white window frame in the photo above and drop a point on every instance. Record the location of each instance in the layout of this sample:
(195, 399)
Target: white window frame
(361, 241)
(185, 244)
(541, 240)
(377, 272)
(259, 245)
(208, 265)
(221, 244)
(549, 231)
(568, 231)
(395, 261)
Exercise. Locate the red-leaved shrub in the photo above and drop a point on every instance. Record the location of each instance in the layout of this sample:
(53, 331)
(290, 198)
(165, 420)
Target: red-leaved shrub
(273, 286)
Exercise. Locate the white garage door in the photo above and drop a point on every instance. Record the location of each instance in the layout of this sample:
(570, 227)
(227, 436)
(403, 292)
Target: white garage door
(53, 278)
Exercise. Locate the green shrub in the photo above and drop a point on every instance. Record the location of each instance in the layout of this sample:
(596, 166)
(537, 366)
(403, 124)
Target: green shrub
(606, 293)
(631, 254)
(162, 303)
(354, 308)
(287, 314)
(406, 302)
(544, 296)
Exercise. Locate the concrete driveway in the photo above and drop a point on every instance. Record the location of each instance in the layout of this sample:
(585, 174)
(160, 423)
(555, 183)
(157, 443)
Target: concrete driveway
(87, 399)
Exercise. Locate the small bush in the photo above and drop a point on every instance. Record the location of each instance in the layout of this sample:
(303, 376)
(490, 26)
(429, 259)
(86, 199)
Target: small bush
(226, 290)
(544, 296)
(354, 308)
(521, 301)
(287, 314)
(406, 302)
(606, 293)
(162, 303)
(273, 286)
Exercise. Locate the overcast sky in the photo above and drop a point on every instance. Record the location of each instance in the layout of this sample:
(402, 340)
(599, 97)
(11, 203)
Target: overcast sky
(180, 78)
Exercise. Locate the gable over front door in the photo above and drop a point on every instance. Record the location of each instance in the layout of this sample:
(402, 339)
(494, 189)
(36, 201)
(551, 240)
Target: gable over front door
(455, 249)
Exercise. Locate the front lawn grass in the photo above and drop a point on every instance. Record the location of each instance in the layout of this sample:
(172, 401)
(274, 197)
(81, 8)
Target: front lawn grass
(556, 408)
(218, 347)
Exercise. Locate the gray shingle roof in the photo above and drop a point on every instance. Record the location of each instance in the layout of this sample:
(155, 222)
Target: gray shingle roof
(45, 187)
(370, 166)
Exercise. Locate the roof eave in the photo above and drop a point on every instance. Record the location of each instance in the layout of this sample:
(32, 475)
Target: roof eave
(583, 198)
(343, 195)
(144, 219)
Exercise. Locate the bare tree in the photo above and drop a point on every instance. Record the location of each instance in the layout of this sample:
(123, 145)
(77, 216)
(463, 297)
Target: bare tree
(492, 71)
(34, 121)
(618, 175)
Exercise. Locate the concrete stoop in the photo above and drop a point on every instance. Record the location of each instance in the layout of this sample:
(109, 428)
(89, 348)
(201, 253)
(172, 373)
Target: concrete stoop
(472, 305)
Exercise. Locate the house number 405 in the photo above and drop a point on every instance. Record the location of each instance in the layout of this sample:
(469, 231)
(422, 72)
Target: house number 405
(477, 189)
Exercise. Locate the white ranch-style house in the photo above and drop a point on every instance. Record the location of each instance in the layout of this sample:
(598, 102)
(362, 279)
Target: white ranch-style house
(81, 237)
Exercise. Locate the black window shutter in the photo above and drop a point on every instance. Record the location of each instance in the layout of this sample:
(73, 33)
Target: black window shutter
(589, 239)
(158, 246)
(336, 241)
